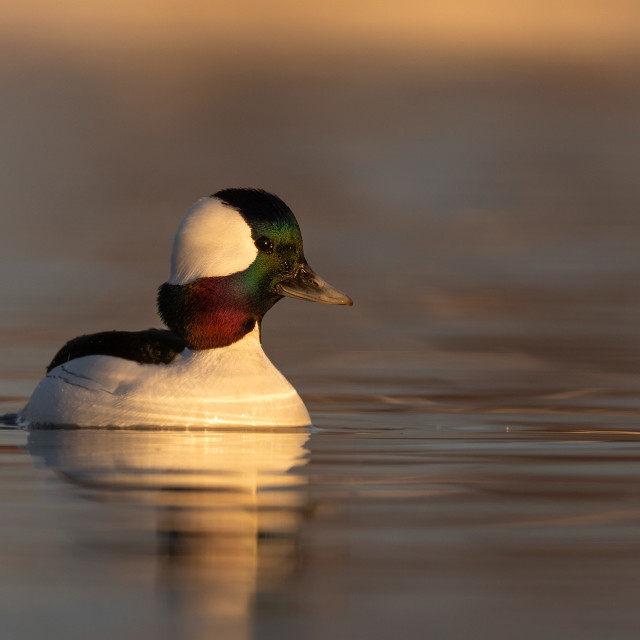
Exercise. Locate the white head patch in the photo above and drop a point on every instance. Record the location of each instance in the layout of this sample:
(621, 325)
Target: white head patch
(212, 240)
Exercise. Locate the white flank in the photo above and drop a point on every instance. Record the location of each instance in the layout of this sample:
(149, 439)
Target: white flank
(212, 240)
(234, 385)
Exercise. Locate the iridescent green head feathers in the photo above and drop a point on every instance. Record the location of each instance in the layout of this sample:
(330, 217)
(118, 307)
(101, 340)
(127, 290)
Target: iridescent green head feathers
(234, 256)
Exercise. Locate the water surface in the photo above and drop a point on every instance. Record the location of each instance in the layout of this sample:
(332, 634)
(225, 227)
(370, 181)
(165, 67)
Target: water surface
(458, 516)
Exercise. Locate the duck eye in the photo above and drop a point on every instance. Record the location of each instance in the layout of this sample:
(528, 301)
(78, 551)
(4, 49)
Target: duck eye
(264, 245)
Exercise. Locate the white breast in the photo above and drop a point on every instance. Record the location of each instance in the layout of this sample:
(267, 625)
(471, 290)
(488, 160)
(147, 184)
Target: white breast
(235, 385)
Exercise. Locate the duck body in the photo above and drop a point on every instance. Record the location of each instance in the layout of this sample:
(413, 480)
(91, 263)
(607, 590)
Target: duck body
(235, 255)
(233, 385)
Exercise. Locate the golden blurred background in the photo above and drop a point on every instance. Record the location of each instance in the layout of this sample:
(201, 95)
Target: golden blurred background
(465, 170)
(584, 28)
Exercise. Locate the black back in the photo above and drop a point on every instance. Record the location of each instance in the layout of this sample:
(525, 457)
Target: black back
(153, 346)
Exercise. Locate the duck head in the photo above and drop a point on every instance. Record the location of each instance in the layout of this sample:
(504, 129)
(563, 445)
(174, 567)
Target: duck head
(235, 254)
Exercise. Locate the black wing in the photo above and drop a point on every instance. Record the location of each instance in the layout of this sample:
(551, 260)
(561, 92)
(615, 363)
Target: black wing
(153, 346)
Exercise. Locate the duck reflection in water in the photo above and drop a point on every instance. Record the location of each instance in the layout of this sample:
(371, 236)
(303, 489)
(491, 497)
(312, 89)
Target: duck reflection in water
(220, 510)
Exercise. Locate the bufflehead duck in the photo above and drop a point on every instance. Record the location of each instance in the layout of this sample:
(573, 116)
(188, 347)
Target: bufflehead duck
(235, 254)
